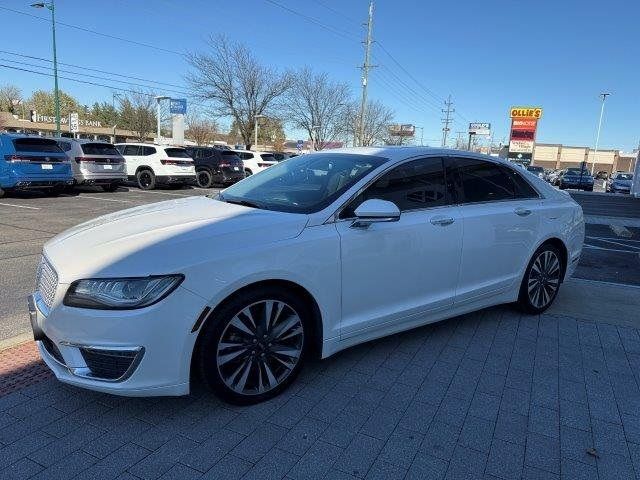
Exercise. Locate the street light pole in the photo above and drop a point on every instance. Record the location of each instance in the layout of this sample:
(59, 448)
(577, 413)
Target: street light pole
(158, 99)
(56, 95)
(604, 96)
(255, 129)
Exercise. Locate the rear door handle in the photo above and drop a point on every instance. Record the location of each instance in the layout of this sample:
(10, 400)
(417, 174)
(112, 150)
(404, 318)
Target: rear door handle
(441, 220)
(523, 212)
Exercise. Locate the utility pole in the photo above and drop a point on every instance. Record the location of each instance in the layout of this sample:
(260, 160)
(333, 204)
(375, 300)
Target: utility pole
(365, 73)
(604, 96)
(447, 120)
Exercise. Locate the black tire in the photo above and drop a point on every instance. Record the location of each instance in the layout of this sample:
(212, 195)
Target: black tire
(58, 190)
(249, 365)
(145, 179)
(111, 187)
(588, 189)
(247, 172)
(204, 179)
(550, 277)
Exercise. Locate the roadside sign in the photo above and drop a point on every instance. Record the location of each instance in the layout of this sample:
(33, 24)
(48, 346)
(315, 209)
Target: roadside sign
(476, 128)
(402, 130)
(299, 145)
(178, 106)
(74, 123)
(526, 112)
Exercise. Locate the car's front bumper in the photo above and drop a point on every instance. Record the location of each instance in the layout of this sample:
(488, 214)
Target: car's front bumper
(149, 349)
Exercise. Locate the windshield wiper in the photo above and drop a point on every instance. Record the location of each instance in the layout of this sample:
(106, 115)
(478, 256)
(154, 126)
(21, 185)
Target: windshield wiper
(244, 203)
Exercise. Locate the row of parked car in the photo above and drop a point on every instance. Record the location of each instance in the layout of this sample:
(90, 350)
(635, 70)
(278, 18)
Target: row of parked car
(30, 162)
(581, 178)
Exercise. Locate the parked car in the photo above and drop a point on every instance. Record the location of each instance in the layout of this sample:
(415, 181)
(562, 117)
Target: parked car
(553, 175)
(94, 163)
(149, 165)
(280, 156)
(216, 166)
(620, 183)
(32, 163)
(536, 170)
(312, 256)
(255, 162)
(575, 178)
(602, 175)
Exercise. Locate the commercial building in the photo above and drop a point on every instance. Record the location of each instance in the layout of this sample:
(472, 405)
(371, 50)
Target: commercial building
(46, 126)
(555, 156)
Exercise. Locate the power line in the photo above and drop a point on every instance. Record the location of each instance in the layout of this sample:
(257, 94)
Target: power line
(92, 69)
(337, 12)
(111, 87)
(92, 76)
(68, 25)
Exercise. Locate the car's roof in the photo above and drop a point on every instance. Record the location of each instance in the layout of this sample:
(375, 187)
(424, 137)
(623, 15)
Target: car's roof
(397, 153)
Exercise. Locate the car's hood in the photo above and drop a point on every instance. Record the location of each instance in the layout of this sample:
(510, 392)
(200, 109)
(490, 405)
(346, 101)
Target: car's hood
(165, 237)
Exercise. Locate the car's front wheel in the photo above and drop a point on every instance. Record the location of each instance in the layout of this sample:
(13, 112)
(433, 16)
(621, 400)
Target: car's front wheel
(541, 280)
(256, 344)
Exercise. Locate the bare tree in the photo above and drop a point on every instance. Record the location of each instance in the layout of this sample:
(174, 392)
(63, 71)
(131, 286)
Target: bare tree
(138, 114)
(236, 84)
(201, 130)
(317, 105)
(377, 119)
(10, 98)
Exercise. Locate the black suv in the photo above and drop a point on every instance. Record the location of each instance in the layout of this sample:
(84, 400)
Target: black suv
(216, 166)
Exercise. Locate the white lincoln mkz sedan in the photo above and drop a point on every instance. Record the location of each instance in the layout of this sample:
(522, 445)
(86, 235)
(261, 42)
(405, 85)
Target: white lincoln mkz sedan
(308, 257)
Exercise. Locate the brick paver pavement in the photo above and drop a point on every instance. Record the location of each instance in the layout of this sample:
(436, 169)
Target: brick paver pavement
(492, 395)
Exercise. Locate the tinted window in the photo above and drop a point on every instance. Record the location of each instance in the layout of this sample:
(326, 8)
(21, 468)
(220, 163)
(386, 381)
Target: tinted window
(246, 155)
(535, 169)
(230, 156)
(131, 150)
(523, 189)
(146, 151)
(65, 146)
(176, 152)
(483, 181)
(268, 157)
(41, 145)
(624, 176)
(413, 185)
(303, 185)
(98, 149)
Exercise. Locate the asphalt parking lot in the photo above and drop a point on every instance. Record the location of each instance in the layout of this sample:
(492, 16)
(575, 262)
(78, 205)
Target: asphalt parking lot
(490, 395)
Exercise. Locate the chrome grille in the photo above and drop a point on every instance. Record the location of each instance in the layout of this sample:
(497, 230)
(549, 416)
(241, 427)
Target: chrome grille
(46, 282)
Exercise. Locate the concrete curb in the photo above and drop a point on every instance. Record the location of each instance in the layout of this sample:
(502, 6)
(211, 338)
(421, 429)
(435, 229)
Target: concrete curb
(14, 341)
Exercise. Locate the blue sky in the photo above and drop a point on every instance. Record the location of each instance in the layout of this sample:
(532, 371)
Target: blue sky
(486, 55)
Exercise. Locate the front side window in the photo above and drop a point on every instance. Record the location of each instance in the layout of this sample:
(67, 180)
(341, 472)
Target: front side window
(411, 186)
(305, 184)
(482, 181)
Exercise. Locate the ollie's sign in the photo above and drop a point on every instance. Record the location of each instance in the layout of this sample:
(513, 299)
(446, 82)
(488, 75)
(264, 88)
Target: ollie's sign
(524, 123)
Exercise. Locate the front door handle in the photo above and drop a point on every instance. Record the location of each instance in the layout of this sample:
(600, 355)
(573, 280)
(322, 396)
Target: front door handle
(441, 220)
(523, 212)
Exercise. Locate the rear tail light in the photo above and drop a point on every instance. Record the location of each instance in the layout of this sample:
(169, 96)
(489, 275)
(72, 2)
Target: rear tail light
(109, 161)
(28, 158)
(183, 163)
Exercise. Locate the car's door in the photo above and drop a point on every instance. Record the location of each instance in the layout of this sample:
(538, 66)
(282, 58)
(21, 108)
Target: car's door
(501, 216)
(392, 273)
(131, 154)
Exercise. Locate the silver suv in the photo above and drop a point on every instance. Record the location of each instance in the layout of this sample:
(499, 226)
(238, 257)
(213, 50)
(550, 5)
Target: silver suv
(94, 163)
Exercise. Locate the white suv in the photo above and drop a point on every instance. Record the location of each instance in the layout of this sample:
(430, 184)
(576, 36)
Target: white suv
(149, 164)
(255, 162)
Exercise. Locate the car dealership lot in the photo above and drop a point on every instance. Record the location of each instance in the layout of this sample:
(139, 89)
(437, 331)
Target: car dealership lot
(493, 394)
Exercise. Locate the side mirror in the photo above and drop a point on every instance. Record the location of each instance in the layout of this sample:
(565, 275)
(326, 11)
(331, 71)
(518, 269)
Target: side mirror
(375, 211)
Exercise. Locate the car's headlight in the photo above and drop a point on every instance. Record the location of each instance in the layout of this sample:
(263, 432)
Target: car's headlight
(120, 293)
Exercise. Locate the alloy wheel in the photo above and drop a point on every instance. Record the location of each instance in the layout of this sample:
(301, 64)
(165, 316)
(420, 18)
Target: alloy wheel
(145, 179)
(544, 279)
(260, 347)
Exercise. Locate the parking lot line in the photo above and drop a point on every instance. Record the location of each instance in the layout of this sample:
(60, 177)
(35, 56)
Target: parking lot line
(18, 206)
(104, 199)
(166, 193)
(586, 245)
(614, 242)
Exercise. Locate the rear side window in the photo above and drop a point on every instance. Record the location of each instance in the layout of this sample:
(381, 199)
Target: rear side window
(98, 149)
(246, 155)
(146, 151)
(523, 189)
(65, 146)
(230, 156)
(268, 157)
(40, 145)
(176, 152)
(131, 150)
(482, 181)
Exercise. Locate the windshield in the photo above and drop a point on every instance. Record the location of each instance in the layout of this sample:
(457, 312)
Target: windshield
(624, 176)
(303, 184)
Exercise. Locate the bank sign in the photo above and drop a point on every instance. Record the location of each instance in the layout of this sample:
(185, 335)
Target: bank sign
(35, 117)
(178, 106)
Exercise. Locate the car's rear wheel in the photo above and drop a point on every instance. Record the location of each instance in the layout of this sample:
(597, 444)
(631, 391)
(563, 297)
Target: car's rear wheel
(247, 172)
(204, 179)
(541, 280)
(255, 346)
(146, 179)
